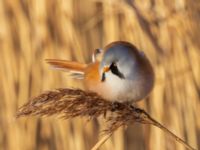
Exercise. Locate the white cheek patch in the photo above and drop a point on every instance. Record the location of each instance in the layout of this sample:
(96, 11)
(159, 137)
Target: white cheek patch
(121, 89)
(117, 85)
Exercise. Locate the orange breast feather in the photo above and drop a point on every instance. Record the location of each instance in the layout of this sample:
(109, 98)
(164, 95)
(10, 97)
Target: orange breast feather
(92, 77)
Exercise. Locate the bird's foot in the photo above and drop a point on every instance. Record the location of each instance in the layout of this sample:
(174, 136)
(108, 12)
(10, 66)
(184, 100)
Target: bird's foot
(119, 106)
(130, 105)
(115, 106)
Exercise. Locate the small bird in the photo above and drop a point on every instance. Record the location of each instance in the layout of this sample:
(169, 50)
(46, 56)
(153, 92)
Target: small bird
(119, 72)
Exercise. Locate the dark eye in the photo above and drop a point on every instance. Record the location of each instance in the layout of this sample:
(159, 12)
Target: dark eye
(114, 69)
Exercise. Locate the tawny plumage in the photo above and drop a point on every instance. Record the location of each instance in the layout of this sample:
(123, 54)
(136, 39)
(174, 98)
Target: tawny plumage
(90, 72)
(67, 65)
(120, 73)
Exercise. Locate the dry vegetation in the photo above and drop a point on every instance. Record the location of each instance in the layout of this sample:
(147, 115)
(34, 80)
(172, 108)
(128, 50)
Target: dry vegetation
(71, 103)
(30, 31)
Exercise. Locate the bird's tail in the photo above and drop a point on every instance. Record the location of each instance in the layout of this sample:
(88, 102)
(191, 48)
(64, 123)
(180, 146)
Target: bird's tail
(75, 69)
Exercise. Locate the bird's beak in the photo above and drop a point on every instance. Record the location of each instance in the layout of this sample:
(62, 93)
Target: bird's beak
(105, 69)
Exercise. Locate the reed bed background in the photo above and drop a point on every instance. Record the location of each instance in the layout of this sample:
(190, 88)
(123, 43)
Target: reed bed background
(31, 31)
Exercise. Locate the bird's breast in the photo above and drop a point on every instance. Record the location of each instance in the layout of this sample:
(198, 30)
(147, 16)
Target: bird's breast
(92, 80)
(115, 88)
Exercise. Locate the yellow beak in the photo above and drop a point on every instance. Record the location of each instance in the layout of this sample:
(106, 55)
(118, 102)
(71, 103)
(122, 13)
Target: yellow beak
(106, 69)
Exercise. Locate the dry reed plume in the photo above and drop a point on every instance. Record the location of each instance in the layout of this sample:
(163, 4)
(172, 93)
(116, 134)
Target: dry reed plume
(70, 103)
(31, 31)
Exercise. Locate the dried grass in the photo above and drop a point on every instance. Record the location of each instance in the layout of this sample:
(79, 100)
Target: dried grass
(70, 103)
(31, 31)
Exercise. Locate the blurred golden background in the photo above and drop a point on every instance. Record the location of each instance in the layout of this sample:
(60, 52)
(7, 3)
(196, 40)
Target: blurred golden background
(31, 31)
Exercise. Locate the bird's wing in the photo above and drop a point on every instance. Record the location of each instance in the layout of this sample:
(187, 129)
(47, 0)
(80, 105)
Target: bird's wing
(97, 55)
(75, 69)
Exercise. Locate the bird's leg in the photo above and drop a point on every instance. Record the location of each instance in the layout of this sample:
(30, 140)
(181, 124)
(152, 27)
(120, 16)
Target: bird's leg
(131, 105)
(115, 106)
(118, 105)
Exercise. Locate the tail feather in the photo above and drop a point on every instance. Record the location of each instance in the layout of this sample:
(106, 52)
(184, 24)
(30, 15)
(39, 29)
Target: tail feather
(75, 69)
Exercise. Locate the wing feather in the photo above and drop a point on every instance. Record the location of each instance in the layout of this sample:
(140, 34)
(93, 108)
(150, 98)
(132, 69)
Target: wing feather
(75, 69)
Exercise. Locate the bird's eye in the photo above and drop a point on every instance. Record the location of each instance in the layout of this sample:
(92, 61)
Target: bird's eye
(114, 64)
(114, 69)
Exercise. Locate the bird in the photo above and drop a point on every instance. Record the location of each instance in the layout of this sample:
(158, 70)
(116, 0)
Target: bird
(119, 72)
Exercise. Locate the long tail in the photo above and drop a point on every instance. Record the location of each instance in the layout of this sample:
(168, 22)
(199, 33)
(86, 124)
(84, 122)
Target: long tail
(75, 69)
